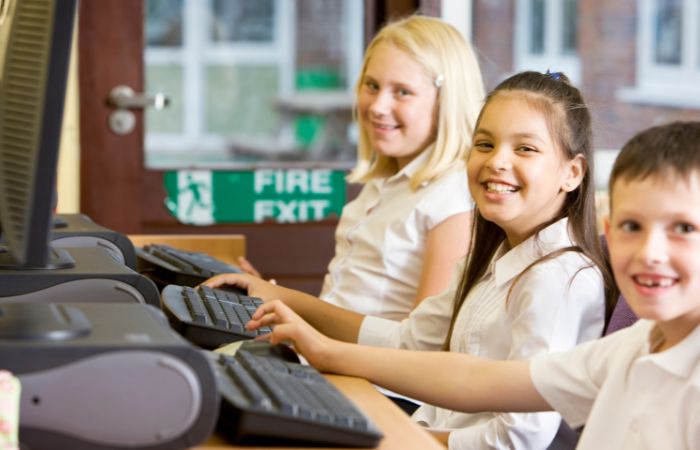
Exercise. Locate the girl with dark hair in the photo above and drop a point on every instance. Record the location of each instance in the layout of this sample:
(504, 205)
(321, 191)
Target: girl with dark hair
(534, 281)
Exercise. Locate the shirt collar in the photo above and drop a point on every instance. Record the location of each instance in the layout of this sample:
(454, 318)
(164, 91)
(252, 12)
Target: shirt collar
(414, 166)
(682, 358)
(515, 260)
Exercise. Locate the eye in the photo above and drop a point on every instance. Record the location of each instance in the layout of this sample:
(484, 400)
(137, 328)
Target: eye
(371, 85)
(683, 228)
(526, 149)
(482, 146)
(629, 226)
(403, 92)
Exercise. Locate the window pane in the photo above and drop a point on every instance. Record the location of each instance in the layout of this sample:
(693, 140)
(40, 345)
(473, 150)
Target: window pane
(233, 61)
(242, 20)
(164, 23)
(569, 27)
(239, 99)
(537, 24)
(166, 79)
(668, 32)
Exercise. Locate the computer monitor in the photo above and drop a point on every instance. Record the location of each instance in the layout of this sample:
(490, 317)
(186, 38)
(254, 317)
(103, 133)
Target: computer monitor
(35, 44)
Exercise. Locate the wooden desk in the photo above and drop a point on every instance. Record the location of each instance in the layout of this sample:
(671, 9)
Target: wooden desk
(400, 433)
(224, 247)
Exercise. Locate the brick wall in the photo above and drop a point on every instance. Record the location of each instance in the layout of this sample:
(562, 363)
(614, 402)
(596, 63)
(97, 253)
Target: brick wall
(607, 37)
(608, 51)
(493, 38)
(319, 33)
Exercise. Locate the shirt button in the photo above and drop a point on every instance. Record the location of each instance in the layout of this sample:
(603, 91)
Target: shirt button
(634, 426)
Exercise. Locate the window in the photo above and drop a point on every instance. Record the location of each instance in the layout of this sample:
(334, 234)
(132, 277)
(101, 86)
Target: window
(223, 64)
(546, 37)
(668, 56)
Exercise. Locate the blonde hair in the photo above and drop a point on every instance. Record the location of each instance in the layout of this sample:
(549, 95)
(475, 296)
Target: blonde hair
(442, 51)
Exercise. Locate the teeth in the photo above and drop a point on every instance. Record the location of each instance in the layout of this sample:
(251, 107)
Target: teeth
(498, 187)
(650, 282)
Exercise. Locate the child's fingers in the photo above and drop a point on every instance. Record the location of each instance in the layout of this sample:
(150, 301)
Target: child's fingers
(277, 307)
(247, 267)
(266, 320)
(226, 279)
(284, 312)
(284, 333)
(263, 337)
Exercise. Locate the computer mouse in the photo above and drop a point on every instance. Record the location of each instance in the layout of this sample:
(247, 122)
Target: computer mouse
(262, 348)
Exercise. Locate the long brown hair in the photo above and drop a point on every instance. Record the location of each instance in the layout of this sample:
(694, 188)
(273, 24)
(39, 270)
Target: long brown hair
(569, 123)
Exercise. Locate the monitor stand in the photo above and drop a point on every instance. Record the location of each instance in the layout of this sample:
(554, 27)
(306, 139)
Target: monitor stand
(95, 277)
(78, 230)
(58, 259)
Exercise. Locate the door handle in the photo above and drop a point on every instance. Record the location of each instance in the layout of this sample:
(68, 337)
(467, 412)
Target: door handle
(122, 121)
(123, 97)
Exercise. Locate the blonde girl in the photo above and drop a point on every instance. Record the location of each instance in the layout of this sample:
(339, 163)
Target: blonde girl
(418, 95)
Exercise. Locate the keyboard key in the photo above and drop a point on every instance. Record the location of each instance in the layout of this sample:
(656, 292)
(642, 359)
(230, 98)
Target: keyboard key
(196, 306)
(217, 313)
(208, 317)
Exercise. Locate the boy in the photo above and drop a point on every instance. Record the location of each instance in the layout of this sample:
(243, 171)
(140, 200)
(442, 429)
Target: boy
(637, 388)
(640, 387)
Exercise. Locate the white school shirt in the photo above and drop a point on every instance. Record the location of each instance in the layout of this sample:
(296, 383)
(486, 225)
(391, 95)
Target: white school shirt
(627, 397)
(381, 236)
(555, 305)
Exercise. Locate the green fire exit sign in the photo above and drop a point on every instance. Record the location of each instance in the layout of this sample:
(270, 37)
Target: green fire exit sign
(205, 197)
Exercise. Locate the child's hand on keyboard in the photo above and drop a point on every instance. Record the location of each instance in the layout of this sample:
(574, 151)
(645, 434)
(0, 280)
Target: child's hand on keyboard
(256, 287)
(287, 327)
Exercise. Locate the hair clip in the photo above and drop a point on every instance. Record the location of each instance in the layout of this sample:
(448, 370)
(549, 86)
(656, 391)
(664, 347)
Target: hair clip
(553, 75)
(438, 80)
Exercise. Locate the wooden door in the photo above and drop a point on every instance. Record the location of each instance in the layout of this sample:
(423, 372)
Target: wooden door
(118, 192)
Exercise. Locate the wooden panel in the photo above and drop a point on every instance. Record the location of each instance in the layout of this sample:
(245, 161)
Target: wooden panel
(110, 51)
(225, 247)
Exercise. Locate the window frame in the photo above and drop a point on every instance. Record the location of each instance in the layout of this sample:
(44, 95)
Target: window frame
(553, 58)
(197, 52)
(666, 84)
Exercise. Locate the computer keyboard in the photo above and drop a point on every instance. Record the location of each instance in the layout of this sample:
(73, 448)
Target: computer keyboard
(210, 317)
(268, 401)
(169, 265)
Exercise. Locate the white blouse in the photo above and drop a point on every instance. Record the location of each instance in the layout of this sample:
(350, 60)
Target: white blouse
(555, 305)
(627, 397)
(381, 237)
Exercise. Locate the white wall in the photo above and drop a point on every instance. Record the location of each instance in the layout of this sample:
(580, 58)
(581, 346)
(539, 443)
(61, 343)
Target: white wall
(68, 185)
(458, 13)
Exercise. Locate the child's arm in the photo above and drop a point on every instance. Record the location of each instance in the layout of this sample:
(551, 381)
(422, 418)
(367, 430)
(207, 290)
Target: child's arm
(445, 245)
(331, 320)
(457, 381)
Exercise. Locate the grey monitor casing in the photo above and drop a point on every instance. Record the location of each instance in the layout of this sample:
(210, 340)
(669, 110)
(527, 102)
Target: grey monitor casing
(96, 277)
(81, 231)
(124, 380)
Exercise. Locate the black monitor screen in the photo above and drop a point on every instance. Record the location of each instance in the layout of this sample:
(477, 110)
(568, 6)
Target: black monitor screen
(35, 43)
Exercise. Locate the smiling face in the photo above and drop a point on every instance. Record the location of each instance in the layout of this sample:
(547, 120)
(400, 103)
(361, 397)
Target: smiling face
(397, 104)
(654, 239)
(517, 174)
